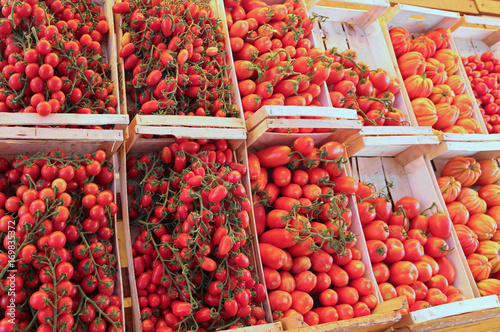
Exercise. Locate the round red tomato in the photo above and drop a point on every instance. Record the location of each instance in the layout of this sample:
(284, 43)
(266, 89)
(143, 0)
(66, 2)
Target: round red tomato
(403, 273)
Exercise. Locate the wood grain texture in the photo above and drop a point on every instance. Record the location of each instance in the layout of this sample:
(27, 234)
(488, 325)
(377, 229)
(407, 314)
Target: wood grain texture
(462, 6)
(479, 321)
(490, 7)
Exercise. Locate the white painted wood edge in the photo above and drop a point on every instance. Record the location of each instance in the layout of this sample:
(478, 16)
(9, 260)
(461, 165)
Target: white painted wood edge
(427, 11)
(17, 119)
(486, 20)
(193, 133)
(455, 308)
(182, 120)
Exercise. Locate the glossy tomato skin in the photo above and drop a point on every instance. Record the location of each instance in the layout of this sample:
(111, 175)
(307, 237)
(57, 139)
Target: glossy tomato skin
(274, 156)
(403, 273)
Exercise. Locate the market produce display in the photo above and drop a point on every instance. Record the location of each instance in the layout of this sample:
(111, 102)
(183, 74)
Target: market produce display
(483, 73)
(192, 256)
(371, 93)
(437, 92)
(65, 268)
(53, 59)
(303, 218)
(275, 61)
(173, 55)
(470, 189)
(408, 249)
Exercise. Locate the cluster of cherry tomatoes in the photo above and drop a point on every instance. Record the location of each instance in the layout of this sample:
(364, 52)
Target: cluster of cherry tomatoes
(53, 60)
(191, 259)
(437, 93)
(275, 61)
(472, 196)
(65, 267)
(311, 266)
(370, 92)
(407, 249)
(173, 54)
(483, 73)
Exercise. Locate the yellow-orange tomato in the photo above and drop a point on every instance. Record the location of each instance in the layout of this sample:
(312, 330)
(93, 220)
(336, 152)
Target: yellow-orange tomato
(60, 184)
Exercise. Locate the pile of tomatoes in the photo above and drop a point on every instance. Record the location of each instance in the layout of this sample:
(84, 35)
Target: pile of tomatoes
(483, 73)
(370, 92)
(473, 200)
(173, 54)
(192, 257)
(57, 220)
(53, 59)
(437, 93)
(275, 61)
(302, 213)
(407, 249)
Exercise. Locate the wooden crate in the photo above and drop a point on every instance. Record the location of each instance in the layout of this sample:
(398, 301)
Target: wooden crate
(360, 30)
(384, 316)
(268, 114)
(287, 139)
(179, 120)
(13, 145)
(416, 179)
(418, 21)
(119, 120)
(474, 35)
(143, 146)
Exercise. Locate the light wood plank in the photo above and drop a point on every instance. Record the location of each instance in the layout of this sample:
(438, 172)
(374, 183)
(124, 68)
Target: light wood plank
(370, 170)
(463, 6)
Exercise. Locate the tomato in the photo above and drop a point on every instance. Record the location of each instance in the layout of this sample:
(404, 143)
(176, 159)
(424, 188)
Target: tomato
(328, 298)
(410, 205)
(376, 230)
(339, 277)
(436, 247)
(377, 250)
(446, 269)
(387, 291)
(274, 156)
(363, 285)
(435, 297)
(383, 208)
(305, 281)
(414, 250)
(346, 184)
(403, 273)
(301, 302)
(425, 271)
(440, 282)
(355, 269)
(326, 314)
(272, 278)
(395, 250)
(280, 300)
(366, 212)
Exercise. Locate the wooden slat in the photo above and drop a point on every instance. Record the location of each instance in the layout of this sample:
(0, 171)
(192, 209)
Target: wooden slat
(33, 119)
(192, 121)
(479, 321)
(489, 7)
(463, 6)
(370, 170)
(456, 308)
